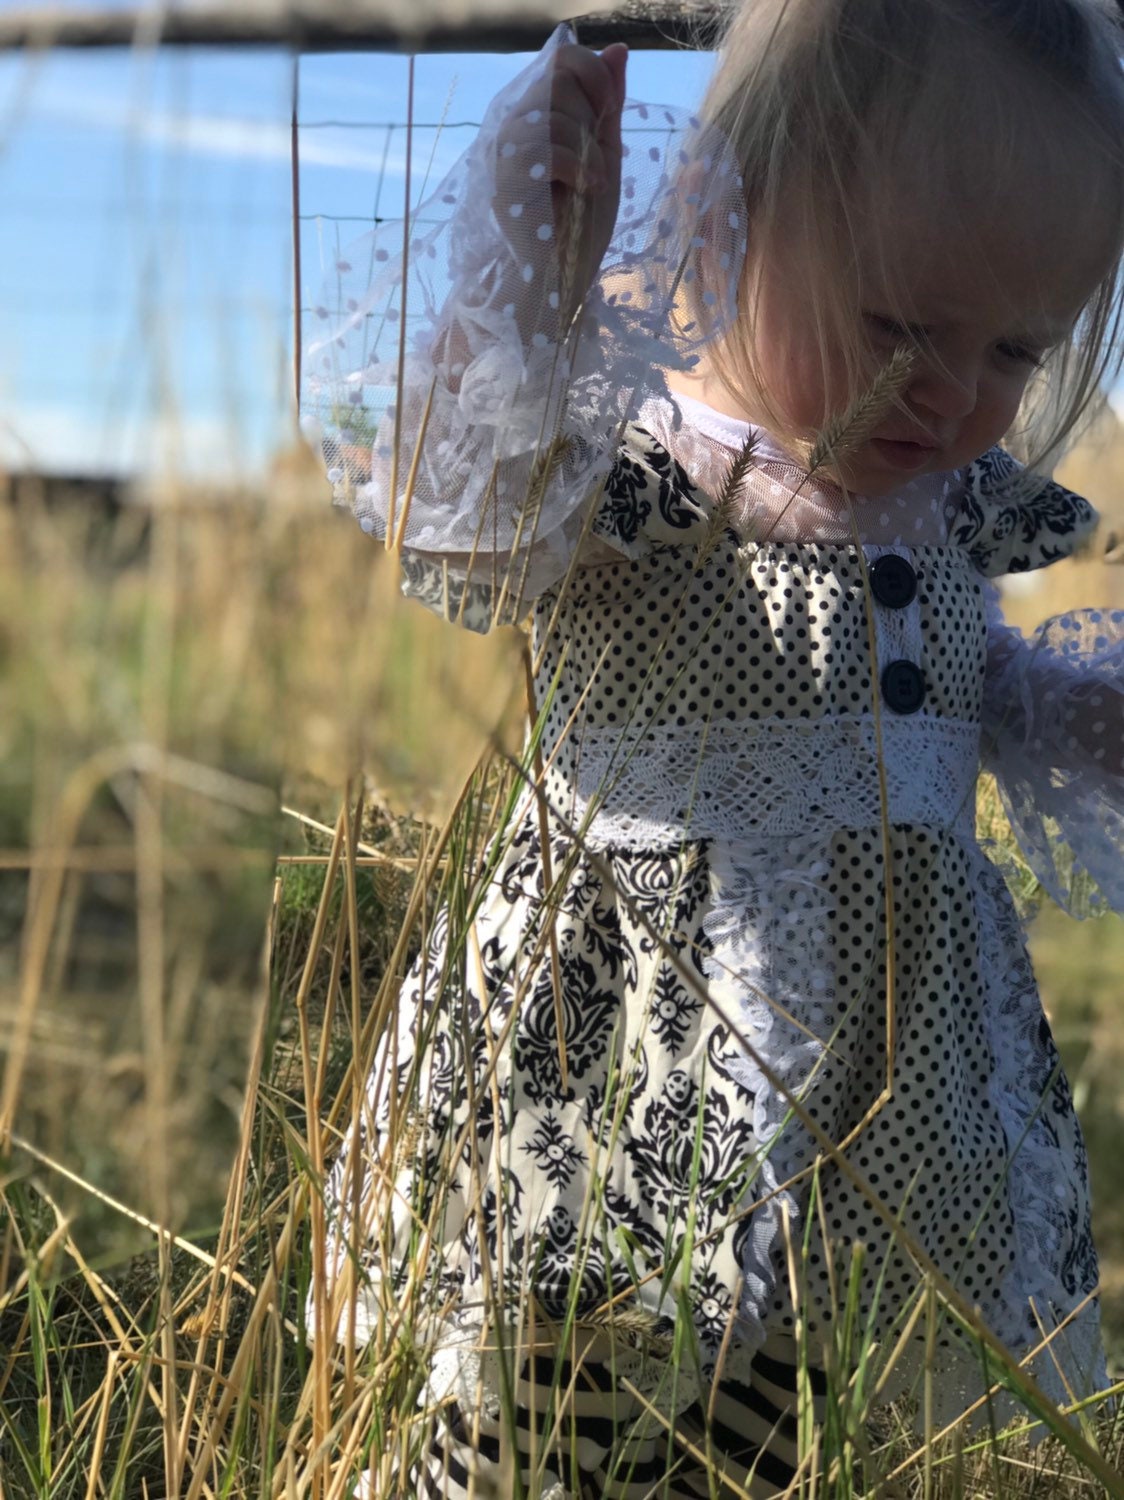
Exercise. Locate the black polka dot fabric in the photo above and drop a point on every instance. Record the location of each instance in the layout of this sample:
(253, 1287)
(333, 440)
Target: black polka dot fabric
(640, 1073)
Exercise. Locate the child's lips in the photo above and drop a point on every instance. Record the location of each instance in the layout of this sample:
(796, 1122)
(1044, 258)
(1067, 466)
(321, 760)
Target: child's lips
(904, 453)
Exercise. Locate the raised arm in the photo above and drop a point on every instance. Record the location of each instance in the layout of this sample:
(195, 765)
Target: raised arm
(523, 364)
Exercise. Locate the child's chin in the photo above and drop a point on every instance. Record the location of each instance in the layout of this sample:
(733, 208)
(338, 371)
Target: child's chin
(864, 482)
(875, 480)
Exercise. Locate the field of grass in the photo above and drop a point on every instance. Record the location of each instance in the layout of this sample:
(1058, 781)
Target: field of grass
(169, 1112)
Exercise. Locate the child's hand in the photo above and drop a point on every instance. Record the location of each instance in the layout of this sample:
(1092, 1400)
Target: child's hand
(581, 99)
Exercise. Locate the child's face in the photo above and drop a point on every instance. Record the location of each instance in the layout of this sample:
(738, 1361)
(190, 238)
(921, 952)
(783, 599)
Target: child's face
(981, 308)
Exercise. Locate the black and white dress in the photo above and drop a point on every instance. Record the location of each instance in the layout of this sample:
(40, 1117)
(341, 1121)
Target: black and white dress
(769, 928)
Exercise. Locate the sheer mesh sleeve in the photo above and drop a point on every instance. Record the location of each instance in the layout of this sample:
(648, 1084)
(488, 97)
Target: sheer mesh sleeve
(524, 408)
(1054, 737)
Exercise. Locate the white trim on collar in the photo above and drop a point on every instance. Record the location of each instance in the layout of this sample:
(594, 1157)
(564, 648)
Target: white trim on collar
(732, 432)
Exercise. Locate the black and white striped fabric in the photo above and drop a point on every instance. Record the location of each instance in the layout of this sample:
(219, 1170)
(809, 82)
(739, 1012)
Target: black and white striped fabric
(609, 1447)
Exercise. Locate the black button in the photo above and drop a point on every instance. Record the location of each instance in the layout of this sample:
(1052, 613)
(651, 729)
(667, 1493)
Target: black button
(903, 687)
(893, 582)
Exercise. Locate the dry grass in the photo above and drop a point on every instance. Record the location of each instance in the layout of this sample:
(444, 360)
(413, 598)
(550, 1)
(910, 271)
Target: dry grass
(172, 1110)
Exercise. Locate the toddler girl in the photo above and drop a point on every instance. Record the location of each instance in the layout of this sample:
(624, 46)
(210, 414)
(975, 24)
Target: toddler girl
(738, 1039)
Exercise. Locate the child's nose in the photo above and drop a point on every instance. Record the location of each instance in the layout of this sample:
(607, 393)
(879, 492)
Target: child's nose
(946, 388)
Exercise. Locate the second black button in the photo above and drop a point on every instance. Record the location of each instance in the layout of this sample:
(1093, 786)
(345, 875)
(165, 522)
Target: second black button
(893, 582)
(903, 687)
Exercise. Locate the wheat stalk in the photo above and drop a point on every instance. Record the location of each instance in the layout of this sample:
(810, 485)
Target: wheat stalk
(729, 500)
(569, 255)
(634, 1323)
(842, 434)
(546, 466)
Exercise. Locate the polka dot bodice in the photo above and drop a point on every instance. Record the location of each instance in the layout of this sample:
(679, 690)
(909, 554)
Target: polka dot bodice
(774, 631)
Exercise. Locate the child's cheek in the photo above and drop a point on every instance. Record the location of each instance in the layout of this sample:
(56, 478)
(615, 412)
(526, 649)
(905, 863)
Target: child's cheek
(995, 413)
(802, 390)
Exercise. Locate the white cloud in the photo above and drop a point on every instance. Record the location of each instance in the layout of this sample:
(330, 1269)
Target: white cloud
(223, 136)
(68, 440)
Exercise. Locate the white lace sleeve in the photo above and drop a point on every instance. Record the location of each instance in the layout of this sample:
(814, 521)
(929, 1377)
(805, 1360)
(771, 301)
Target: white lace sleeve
(524, 413)
(1053, 734)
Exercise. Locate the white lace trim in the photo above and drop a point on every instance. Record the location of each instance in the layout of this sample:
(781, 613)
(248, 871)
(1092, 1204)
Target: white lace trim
(1048, 1212)
(779, 503)
(776, 778)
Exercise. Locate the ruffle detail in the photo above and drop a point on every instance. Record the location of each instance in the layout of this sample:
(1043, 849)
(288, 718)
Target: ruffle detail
(1053, 734)
(1012, 521)
(1055, 1270)
(647, 498)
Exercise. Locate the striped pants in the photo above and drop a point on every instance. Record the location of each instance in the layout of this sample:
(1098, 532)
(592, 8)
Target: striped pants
(608, 1446)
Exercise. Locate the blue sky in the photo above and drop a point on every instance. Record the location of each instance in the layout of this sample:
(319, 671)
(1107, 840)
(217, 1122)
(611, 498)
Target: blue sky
(145, 260)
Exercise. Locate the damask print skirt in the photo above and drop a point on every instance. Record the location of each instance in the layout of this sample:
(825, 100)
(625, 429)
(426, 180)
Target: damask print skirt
(588, 1131)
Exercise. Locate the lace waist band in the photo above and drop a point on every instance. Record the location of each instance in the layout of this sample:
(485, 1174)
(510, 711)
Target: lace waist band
(775, 778)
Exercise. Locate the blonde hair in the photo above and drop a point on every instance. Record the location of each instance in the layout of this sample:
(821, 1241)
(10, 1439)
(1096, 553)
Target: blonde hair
(826, 102)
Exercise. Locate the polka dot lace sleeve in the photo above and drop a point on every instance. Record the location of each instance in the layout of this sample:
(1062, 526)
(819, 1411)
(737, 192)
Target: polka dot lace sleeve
(521, 410)
(1053, 733)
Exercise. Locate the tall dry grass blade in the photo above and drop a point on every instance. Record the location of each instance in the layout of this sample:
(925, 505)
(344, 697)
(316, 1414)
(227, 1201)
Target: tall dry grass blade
(412, 476)
(927, 1396)
(543, 470)
(488, 502)
(295, 223)
(216, 1311)
(728, 503)
(265, 1304)
(352, 825)
(400, 384)
(93, 1472)
(322, 1312)
(570, 295)
(844, 433)
(142, 1356)
(59, 1167)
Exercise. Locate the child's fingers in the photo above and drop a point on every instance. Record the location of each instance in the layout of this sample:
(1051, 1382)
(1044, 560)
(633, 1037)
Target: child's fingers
(599, 81)
(583, 172)
(566, 131)
(615, 58)
(537, 126)
(553, 98)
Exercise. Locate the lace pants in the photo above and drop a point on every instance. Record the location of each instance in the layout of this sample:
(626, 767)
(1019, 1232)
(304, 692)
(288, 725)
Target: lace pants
(609, 1447)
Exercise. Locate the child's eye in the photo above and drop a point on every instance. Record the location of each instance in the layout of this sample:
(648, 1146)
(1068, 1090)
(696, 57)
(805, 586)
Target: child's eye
(1022, 354)
(891, 330)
